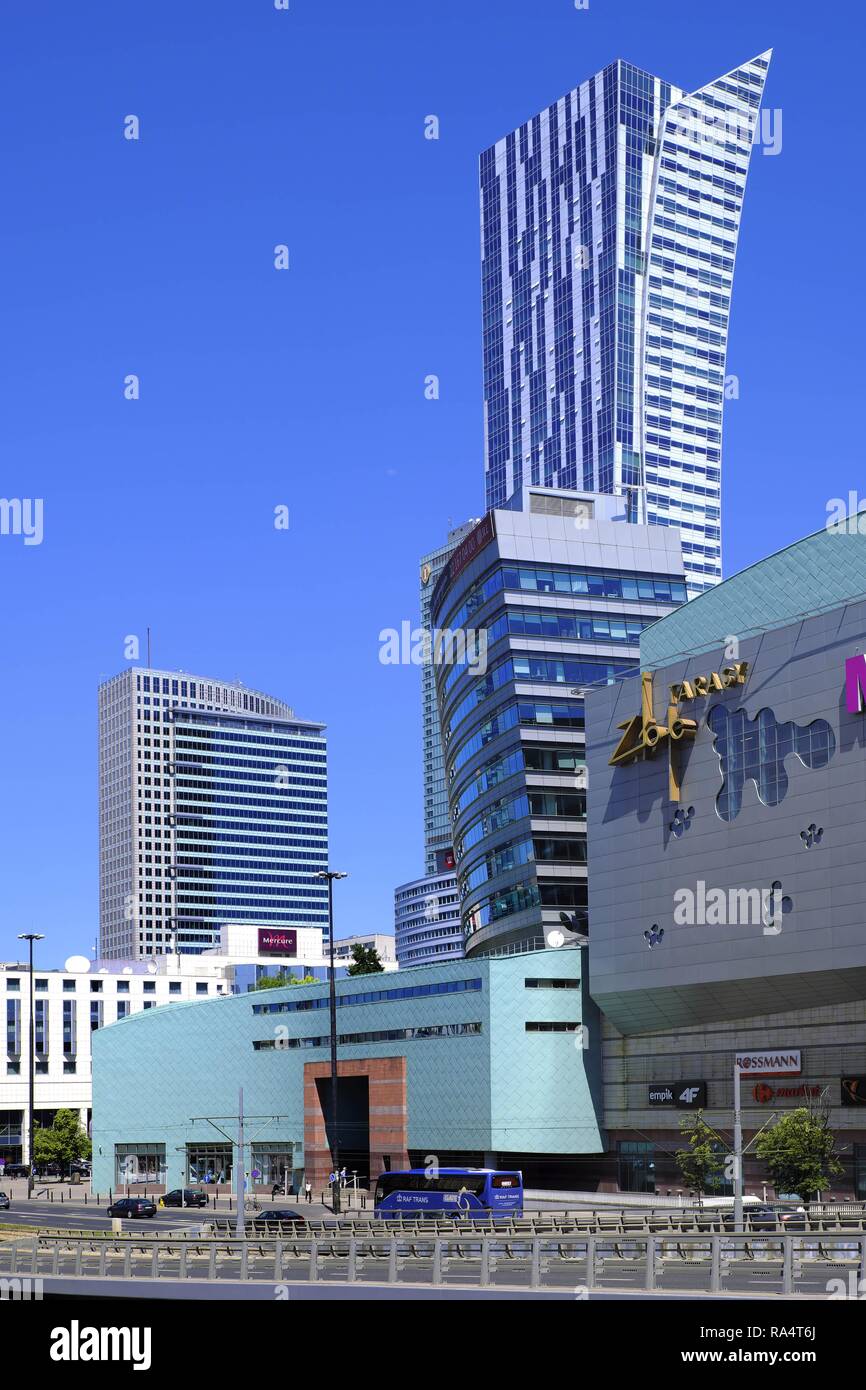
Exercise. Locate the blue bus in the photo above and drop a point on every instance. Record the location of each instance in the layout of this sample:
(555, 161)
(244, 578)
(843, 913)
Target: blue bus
(457, 1192)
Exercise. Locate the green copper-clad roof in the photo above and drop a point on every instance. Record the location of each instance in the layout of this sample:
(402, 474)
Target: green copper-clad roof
(818, 573)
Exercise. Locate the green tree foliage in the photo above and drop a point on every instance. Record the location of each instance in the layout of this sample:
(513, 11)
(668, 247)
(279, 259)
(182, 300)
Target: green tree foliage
(701, 1164)
(799, 1153)
(63, 1142)
(280, 981)
(365, 961)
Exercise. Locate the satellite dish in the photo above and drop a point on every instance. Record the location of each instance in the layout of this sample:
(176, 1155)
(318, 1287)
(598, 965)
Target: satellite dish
(127, 970)
(77, 965)
(555, 938)
(152, 967)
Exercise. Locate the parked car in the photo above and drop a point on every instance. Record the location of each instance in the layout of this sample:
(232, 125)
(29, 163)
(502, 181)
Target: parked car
(185, 1197)
(16, 1170)
(277, 1216)
(82, 1166)
(132, 1207)
(5, 1204)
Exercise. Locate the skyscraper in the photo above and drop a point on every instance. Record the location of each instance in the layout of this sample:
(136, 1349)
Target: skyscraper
(426, 910)
(563, 587)
(212, 809)
(609, 227)
(437, 822)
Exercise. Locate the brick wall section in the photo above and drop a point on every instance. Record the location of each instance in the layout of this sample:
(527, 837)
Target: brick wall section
(389, 1115)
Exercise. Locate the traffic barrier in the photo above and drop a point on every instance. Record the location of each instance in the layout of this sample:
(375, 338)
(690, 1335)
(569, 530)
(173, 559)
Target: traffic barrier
(783, 1264)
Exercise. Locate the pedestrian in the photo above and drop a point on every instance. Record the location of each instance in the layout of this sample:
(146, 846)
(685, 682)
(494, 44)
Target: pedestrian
(308, 1189)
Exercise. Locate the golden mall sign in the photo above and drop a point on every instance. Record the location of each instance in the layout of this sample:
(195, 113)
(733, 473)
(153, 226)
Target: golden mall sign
(644, 735)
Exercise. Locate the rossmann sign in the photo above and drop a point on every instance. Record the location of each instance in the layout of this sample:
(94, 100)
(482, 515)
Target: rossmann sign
(787, 1063)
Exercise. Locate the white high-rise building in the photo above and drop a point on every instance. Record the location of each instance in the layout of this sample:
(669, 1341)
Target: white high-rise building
(213, 810)
(609, 227)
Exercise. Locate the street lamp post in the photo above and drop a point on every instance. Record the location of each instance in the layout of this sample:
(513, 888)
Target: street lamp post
(330, 875)
(31, 937)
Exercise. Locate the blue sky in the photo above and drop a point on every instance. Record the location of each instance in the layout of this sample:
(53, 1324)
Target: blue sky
(305, 388)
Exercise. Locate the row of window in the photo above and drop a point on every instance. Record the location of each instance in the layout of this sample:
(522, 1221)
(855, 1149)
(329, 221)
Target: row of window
(370, 996)
(436, 1030)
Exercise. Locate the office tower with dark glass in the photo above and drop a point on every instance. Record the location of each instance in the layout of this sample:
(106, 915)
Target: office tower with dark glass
(213, 809)
(609, 227)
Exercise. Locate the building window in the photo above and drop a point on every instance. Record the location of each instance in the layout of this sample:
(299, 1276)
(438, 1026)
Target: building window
(13, 1025)
(545, 1027)
(271, 1165)
(174, 987)
(209, 1163)
(755, 750)
(860, 1172)
(636, 1163)
(139, 1163)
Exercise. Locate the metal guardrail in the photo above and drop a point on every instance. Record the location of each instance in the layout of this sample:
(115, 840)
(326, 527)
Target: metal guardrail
(779, 1264)
(546, 1223)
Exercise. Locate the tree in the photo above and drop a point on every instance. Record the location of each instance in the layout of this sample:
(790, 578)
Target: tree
(701, 1164)
(365, 961)
(281, 980)
(274, 981)
(799, 1152)
(63, 1142)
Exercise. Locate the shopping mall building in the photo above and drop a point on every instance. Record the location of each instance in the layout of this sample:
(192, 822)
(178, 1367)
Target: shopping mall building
(727, 817)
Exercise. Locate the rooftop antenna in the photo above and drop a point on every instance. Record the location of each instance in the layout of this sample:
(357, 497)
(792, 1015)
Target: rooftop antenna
(148, 649)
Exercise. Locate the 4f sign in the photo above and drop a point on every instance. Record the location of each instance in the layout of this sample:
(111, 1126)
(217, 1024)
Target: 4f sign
(855, 684)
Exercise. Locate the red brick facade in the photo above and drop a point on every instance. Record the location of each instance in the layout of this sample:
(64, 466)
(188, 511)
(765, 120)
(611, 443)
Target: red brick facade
(388, 1115)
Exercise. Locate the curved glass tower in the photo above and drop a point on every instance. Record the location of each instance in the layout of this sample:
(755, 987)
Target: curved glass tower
(609, 228)
(562, 590)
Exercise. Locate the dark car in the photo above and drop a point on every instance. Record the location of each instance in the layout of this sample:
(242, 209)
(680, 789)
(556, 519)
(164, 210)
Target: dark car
(132, 1207)
(277, 1216)
(185, 1197)
(758, 1218)
(16, 1170)
(4, 1201)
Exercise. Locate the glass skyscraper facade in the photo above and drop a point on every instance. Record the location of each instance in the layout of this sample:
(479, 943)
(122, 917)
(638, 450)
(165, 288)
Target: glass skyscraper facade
(213, 810)
(427, 925)
(609, 226)
(437, 821)
(563, 587)
(426, 911)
